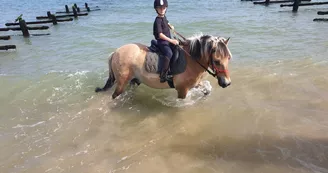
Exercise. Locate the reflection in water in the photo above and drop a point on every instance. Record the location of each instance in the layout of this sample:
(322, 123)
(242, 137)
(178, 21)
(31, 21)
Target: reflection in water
(27, 40)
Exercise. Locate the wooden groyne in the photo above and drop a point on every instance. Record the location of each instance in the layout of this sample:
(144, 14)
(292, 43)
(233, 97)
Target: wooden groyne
(7, 47)
(322, 12)
(304, 4)
(321, 19)
(87, 9)
(7, 37)
(41, 22)
(295, 4)
(28, 27)
(50, 18)
(63, 16)
(266, 2)
(298, 3)
(78, 10)
(24, 28)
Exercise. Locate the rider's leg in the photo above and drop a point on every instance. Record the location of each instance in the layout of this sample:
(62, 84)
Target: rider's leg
(167, 52)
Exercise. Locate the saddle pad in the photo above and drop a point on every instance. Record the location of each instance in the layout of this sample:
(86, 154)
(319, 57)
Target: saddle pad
(152, 63)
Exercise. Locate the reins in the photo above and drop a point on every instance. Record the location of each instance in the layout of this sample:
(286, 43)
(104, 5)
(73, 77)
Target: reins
(175, 32)
(208, 71)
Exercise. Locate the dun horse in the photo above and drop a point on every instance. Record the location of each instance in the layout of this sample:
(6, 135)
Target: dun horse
(202, 53)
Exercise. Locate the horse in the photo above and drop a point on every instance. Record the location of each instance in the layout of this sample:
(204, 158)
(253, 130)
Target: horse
(203, 53)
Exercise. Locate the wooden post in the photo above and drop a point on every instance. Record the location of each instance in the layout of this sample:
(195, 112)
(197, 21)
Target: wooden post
(54, 19)
(49, 14)
(24, 29)
(78, 9)
(5, 37)
(322, 12)
(74, 12)
(67, 9)
(321, 19)
(6, 47)
(86, 5)
(295, 6)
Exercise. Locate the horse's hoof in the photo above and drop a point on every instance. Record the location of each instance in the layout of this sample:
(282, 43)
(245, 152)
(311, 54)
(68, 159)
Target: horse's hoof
(98, 89)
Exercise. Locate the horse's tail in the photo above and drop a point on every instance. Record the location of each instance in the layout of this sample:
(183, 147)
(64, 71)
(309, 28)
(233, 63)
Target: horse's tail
(111, 77)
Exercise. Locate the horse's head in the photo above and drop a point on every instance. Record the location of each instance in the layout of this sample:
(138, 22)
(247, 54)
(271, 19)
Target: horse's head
(213, 52)
(219, 61)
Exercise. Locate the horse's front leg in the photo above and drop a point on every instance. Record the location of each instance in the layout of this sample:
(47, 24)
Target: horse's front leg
(182, 93)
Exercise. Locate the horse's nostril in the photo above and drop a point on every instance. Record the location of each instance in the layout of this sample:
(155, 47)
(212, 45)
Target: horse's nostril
(223, 83)
(227, 84)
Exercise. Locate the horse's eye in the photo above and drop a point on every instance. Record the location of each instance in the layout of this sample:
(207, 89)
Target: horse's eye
(217, 63)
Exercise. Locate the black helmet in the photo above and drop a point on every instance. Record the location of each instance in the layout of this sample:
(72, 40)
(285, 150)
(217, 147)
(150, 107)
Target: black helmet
(160, 3)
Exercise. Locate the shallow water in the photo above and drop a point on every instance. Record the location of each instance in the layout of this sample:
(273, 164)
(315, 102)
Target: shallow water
(271, 119)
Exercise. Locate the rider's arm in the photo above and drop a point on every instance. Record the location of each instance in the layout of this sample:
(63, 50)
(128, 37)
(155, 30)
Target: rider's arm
(159, 30)
(163, 37)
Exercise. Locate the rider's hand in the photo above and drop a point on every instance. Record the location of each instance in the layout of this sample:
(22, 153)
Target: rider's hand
(175, 42)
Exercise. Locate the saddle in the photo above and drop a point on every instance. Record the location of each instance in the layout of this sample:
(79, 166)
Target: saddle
(153, 63)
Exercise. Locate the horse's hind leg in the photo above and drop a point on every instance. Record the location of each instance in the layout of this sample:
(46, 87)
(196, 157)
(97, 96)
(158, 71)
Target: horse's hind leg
(109, 84)
(120, 86)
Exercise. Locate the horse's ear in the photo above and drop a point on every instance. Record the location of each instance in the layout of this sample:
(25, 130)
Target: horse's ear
(227, 41)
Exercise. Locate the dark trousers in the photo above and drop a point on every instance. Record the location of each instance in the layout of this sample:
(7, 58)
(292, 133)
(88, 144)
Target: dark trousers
(166, 50)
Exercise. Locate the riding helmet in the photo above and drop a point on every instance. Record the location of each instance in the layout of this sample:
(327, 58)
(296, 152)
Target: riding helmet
(160, 3)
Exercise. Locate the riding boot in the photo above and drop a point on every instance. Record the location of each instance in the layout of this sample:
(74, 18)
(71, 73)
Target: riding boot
(165, 69)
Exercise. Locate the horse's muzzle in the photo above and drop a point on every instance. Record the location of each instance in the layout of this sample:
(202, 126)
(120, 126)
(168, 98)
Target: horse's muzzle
(223, 82)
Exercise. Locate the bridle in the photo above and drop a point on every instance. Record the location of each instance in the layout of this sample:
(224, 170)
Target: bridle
(214, 69)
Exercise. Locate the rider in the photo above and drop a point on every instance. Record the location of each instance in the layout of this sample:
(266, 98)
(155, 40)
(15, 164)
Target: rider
(161, 31)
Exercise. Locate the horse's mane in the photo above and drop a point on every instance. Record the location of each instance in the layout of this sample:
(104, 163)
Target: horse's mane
(201, 46)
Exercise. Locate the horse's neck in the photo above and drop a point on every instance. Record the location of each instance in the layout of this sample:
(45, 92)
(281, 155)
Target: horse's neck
(193, 64)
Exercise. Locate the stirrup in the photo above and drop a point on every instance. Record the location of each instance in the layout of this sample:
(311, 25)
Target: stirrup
(163, 79)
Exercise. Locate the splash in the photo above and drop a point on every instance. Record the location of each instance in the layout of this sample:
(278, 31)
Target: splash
(194, 95)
